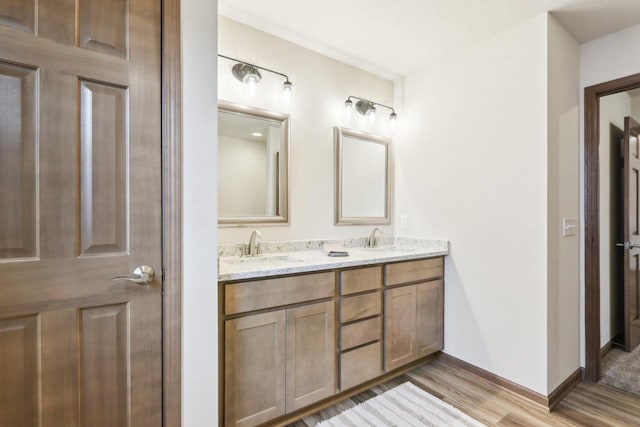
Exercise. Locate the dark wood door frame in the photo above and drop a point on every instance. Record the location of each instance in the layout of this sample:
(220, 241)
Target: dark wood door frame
(171, 214)
(592, 96)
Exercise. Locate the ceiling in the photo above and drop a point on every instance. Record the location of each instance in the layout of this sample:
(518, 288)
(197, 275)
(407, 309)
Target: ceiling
(394, 38)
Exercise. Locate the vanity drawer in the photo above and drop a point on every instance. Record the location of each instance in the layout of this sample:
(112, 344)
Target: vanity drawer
(268, 293)
(359, 307)
(360, 333)
(360, 280)
(414, 271)
(358, 366)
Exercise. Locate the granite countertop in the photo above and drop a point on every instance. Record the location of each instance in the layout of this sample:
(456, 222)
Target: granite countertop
(280, 258)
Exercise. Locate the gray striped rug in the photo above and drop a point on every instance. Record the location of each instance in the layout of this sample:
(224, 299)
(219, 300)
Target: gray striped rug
(404, 405)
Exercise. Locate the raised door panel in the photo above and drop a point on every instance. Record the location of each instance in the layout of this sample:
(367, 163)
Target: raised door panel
(254, 369)
(104, 369)
(18, 162)
(103, 169)
(311, 354)
(400, 326)
(57, 20)
(19, 355)
(18, 14)
(430, 317)
(103, 26)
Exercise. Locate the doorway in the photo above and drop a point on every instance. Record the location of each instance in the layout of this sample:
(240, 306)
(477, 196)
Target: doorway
(608, 112)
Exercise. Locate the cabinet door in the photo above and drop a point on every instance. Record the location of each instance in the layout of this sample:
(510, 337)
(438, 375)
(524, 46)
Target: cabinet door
(311, 354)
(400, 326)
(429, 317)
(254, 369)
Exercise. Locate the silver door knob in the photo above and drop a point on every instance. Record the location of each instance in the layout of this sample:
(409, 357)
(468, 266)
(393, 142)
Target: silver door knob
(142, 275)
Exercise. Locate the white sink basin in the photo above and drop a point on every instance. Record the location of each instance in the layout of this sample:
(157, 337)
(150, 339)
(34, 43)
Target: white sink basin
(260, 259)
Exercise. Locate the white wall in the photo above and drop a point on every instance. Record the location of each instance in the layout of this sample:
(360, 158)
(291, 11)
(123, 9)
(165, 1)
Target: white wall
(601, 60)
(200, 296)
(242, 176)
(563, 186)
(613, 109)
(471, 167)
(321, 85)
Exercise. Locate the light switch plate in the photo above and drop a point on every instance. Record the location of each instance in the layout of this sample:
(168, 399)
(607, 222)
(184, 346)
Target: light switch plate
(569, 227)
(404, 222)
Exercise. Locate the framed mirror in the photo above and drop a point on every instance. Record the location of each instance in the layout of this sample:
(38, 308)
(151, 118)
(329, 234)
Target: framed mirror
(253, 166)
(363, 178)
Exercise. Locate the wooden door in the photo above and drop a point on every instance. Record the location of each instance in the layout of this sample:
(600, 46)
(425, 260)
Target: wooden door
(429, 317)
(311, 354)
(254, 369)
(631, 183)
(400, 326)
(80, 203)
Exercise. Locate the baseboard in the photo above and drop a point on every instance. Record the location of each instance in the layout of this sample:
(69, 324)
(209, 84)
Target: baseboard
(606, 348)
(528, 394)
(548, 402)
(565, 388)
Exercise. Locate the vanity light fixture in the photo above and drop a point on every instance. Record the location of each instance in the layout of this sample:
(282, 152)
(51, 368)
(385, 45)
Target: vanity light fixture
(256, 134)
(367, 108)
(250, 74)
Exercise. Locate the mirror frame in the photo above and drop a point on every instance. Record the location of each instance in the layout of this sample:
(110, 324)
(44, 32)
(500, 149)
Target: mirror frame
(283, 218)
(339, 133)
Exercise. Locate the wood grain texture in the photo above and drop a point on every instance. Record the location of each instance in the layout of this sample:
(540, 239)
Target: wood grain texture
(360, 306)
(255, 295)
(57, 283)
(564, 388)
(592, 96)
(400, 326)
(172, 209)
(429, 317)
(59, 344)
(104, 220)
(18, 161)
(103, 26)
(18, 14)
(358, 333)
(19, 400)
(531, 395)
(413, 271)
(586, 405)
(104, 349)
(360, 280)
(311, 361)
(56, 20)
(360, 365)
(254, 369)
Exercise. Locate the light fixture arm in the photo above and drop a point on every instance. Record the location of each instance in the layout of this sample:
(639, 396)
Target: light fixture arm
(256, 66)
(371, 102)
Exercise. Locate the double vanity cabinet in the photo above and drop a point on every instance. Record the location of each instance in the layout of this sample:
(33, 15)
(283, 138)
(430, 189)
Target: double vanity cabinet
(290, 341)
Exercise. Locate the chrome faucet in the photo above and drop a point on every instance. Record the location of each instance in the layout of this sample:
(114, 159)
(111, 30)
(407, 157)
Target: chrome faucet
(372, 237)
(253, 243)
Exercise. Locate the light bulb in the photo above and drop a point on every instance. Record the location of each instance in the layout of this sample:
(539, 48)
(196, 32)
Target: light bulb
(371, 114)
(393, 118)
(287, 88)
(348, 108)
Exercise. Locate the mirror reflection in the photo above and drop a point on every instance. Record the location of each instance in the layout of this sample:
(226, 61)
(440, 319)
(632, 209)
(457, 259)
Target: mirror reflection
(252, 166)
(363, 178)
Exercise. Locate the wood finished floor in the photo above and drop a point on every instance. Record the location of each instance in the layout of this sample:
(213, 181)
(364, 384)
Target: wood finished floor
(587, 405)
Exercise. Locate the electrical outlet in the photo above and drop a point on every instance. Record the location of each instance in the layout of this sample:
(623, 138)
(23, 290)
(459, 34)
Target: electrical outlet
(404, 222)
